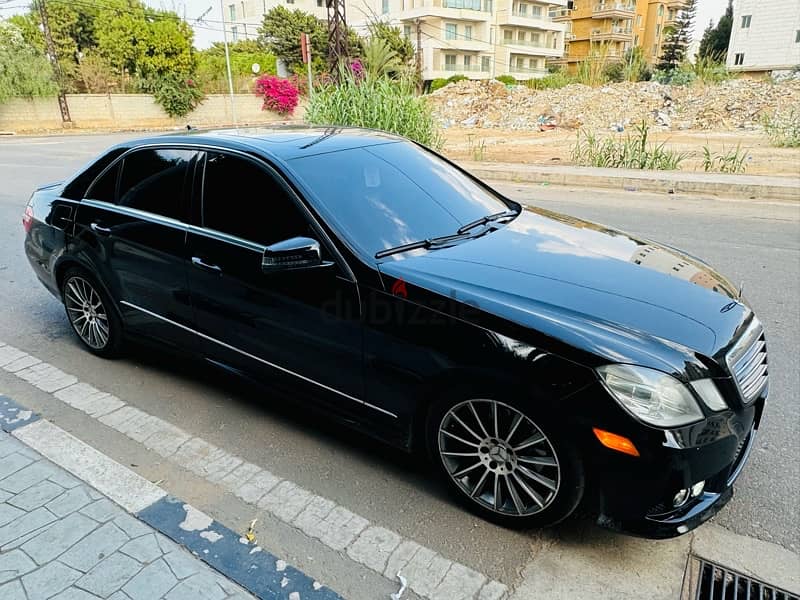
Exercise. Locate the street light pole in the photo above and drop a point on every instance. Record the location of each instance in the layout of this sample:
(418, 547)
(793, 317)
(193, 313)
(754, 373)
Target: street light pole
(228, 63)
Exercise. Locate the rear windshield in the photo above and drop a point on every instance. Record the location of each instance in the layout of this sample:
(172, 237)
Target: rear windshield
(386, 195)
(76, 189)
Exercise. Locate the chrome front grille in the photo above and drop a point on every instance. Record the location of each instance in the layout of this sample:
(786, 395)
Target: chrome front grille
(747, 362)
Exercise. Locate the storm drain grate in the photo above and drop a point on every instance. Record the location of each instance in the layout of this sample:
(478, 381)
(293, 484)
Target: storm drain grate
(705, 580)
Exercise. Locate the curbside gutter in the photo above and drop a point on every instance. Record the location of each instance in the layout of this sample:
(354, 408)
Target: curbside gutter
(747, 187)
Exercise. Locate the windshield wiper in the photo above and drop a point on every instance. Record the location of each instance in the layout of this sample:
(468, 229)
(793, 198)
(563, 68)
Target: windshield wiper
(428, 243)
(487, 219)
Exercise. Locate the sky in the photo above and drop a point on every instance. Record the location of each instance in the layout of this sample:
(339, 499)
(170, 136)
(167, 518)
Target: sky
(211, 30)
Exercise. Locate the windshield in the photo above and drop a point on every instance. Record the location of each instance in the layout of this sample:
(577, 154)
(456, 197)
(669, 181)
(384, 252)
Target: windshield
(392, 194)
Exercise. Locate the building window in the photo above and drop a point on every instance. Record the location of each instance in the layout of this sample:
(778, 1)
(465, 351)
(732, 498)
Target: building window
(636, 40)
(746, 21)
(658, 30)
(533, 64)
(508, 35)
(232, 12)
(485, 63)
(535, 38)
(450, 30)
(385, 6)
(520, 64)
(449, 62)
(467, 62)
(738, 58)
(797, 37)
(655, 49)
(522, 9)
(467, 32)
(521, 36)
(536, 11)
(660, 10)
(487, 6)
(638, 20)
(407, 31)
(243, 11)
(235, 33)
(289, 1)
(320, 4)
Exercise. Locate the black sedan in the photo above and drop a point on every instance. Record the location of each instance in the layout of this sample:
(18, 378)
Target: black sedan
(540, 360)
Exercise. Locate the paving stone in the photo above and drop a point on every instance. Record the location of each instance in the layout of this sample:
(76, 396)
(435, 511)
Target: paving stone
(25, 524)
(425, 571)
(166, 440)
(215, 471)
(120, 595)
(23, 362)
(13, 463)
(64, 479)
(90, 400)
(340, 528)
(36, 495)
(8, 513)
(140, 427)
(154, 581)
(49, 580)
(12, 591)
(373, 548)
(257, 487)
(310, 517)
(19, 542)
(493, 591)
(4, 495)
(182, 563)
(132, 526)
(95, 547)
(47, 378)
(74, 593)
(459, 583)
(145, 549)
(202, 586)
(9, 445)
(109, 575)
(118, 418)
(404, 552)
(69, 501)
(240, 476)
(101, 510)
(14, 564)
(196, 454)
(28, 476)
(286, 501)
(59, 538)
(9, 354)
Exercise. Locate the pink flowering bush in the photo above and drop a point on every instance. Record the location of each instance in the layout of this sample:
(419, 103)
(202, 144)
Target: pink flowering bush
(280, 95)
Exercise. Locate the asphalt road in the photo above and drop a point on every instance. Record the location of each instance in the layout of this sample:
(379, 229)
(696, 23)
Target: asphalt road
(754, 242)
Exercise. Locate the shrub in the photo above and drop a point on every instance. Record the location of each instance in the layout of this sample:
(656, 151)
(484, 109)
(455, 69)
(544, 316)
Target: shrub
(280, 95)
(176, 95)
(507, 79)
(631, 152)
(555, 80)
(437, 84)
(783, 128)
(377, 103)
(729, 161)
(710, 70)
(675, 76)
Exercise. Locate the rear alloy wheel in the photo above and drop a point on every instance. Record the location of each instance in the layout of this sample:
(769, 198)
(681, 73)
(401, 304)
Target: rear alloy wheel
(504, 465)
(90, 313)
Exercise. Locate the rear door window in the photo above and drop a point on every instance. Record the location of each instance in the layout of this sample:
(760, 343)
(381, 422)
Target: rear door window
(105, 188)
(153, 180)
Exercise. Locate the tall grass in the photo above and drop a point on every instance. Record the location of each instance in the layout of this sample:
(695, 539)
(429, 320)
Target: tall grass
(783, 128)
(711, 69)
(631, 152)
(377, 103)
(730, 160)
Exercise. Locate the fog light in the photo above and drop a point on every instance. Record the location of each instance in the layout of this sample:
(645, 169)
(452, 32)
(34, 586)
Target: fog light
(681, 497)
(698, 488)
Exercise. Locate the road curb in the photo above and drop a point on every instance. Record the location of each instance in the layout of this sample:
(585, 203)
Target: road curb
(256, 570)
(669, 182)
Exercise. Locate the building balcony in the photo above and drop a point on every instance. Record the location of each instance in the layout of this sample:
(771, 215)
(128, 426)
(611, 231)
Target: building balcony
(542, 22)
(523, 73)
(560, 14)
(613, 10)
(531, 48)
(464, 68)
(568, 36)
(676, 4)
(461, 10)
(612, 34)
(458, 43)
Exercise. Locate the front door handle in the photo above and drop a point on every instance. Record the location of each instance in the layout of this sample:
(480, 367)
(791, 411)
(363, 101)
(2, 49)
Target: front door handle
(198, 262)
(100, 229)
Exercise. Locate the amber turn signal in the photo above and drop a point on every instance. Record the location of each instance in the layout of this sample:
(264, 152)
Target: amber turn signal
(615, 442)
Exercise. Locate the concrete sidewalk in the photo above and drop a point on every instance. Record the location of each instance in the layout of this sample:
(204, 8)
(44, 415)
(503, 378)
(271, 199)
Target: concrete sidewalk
(758, 187)
(60, 538)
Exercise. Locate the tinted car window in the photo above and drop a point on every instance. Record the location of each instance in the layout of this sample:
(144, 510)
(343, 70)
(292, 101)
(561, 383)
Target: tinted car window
(391, 194)
(242, 199)
(152, 180)
(76, 189)
(105, 188)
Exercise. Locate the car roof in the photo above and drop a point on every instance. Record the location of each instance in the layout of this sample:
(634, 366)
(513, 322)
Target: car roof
(282, 142)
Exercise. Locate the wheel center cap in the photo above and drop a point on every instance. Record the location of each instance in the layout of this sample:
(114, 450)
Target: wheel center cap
(499, 453)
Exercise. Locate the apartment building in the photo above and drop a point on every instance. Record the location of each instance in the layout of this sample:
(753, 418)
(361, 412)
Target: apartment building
(765, 36)
(243, 18)
(606, 29)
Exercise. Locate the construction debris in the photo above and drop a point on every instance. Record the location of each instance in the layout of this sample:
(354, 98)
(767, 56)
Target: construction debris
(732, 104)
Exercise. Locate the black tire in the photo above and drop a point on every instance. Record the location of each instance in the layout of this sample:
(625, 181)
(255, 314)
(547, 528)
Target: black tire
(98, 325)
(568, 471)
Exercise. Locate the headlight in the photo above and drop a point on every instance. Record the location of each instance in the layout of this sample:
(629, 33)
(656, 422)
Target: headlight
(709, 394)
(652, 396)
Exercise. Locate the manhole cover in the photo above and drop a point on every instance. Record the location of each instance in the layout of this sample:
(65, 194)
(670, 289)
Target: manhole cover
(705, 580)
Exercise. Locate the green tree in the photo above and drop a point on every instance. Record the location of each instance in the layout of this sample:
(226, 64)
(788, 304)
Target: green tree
(280, 34)
(212, 71)
(394, 38)
(24, 70)
(674, 48)
(716, 39)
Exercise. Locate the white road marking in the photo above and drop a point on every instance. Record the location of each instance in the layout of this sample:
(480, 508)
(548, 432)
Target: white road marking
(381, 550)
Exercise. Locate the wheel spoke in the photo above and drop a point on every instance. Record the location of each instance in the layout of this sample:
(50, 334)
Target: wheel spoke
(479, 486)
(514, 425)
(496, 422)
(460, 454)
(496, 492)
(541, 479)
(468, 469)
(536, 438)
(73, 309)
(544, 461)
(536, 497)
(83, 328)
(477, 418)
(455, 437)
(515, 496)
(74, 292)
(465, 426)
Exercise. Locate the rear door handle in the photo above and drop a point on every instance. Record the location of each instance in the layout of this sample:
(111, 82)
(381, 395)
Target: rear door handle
(100, 229)
(198, 262)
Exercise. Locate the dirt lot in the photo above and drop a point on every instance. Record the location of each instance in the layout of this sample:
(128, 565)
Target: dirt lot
(553, 147)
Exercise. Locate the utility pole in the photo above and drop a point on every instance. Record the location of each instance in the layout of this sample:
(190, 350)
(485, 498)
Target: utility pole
(337, 36)
(228, 63)
(419, 56)
(53, 58)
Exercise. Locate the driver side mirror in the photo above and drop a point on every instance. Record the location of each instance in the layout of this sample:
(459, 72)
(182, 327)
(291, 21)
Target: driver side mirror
(292, 254)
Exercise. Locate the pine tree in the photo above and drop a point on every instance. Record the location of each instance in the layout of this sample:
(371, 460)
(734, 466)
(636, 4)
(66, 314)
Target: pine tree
(715, 39)
(674, 48)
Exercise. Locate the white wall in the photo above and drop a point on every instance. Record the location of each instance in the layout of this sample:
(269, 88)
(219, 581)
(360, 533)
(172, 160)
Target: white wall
(769, 43)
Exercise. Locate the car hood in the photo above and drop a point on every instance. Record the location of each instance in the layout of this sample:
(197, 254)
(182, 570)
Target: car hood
(593, 287)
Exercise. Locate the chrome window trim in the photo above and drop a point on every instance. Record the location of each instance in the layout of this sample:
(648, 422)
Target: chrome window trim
(261, 360)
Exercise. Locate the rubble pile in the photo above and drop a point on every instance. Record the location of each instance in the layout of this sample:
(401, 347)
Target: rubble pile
(737, 103)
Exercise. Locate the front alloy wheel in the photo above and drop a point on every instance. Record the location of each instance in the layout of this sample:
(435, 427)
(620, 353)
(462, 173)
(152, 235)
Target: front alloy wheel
(504, 465)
